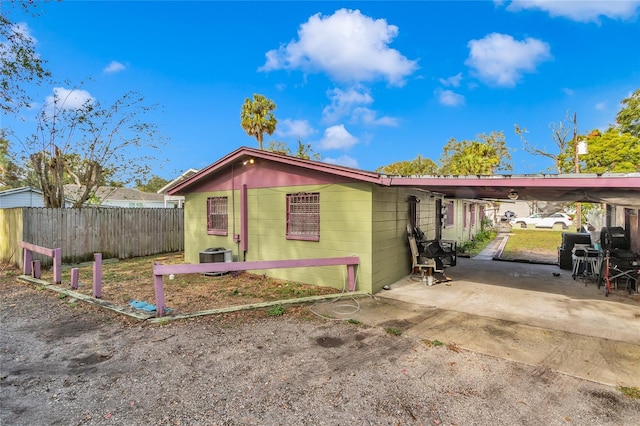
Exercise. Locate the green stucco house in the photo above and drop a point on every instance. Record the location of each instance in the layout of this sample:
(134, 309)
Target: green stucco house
(267, 206)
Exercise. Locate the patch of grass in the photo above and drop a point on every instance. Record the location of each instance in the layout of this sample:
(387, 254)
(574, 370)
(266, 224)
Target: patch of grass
(42, 287)
(276, 311)
(354, 321)
(73, 304)
(133, 279)
(429, 343)
(523, 242)
(393, 331)
(62, 296)
(630, 392)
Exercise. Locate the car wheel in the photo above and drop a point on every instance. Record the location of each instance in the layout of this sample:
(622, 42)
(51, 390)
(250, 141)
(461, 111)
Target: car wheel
(522, 224)
(561, 224)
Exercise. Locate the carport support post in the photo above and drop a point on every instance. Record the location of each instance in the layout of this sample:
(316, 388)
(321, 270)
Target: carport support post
(97, 275)
(75, 275)
(159, 290)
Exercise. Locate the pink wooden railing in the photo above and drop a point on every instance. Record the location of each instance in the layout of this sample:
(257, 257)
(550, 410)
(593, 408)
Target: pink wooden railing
(159, 270)
(28, 266)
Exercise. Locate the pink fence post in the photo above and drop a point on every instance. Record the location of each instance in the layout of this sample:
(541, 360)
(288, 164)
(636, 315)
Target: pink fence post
(27, 258)
(158, 286)
(97, 275)
(57, 265)
(35, 269)
(351, 276)
(75, 277)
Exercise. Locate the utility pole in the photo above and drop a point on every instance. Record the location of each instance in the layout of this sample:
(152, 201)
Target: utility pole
(576, 166)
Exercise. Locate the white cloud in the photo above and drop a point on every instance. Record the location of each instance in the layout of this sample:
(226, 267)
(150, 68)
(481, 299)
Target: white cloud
(567, 91)
(68, 99)
(352, 103)
(501, 60)
(344, 101)
(348, 46)
(343, 160)
(580, 10)
(601, 106)
(337, 137)
(453, 81)
(449, 98)
(114, 66)
(297, 128)
(369, 116)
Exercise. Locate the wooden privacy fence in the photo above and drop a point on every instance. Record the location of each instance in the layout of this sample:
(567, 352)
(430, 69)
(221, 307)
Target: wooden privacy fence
(115, 232)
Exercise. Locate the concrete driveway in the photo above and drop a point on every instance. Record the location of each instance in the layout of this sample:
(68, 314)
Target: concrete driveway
(517, 311)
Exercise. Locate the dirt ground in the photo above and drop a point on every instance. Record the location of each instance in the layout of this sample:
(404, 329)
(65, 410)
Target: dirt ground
(64, 362)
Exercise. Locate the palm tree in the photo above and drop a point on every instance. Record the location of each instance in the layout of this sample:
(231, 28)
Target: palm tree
(256, 117)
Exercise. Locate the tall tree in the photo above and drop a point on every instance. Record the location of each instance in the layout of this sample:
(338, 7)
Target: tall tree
(152, 185)
(419, 166)
(304, 150)
(10, 172)
(256, 117)
(610, 152)
(20, 64)
(484, 156)
(562, 136)
(628, 118)
(90, 144)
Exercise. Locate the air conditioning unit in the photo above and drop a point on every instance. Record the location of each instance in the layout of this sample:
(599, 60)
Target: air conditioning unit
(216, 255)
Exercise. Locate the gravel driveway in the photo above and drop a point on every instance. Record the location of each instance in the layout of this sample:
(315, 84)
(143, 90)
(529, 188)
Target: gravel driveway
(64, 363)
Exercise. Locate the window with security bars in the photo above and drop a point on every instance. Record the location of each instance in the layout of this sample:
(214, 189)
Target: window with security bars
(217, 215)
(303, 216)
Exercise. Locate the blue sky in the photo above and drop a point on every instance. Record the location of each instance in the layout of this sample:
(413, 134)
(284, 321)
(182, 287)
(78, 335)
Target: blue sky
(365, 83)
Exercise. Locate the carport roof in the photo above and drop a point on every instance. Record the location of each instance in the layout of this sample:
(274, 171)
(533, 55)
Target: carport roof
(618, 189)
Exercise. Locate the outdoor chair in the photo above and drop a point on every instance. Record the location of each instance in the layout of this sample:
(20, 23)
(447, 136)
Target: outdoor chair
(427, 266)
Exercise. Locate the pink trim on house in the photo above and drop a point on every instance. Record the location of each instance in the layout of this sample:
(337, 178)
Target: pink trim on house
(244, 219)
(268, 170)
(261, 169)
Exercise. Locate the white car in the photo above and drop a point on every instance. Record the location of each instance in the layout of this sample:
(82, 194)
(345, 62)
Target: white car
(556, 220)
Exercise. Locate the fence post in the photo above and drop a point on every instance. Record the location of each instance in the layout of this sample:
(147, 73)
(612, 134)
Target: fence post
(351, 276)
(57, 265)
(27, 258)
(158, 286)
(97, 275)
(75, 275)
(35, 269)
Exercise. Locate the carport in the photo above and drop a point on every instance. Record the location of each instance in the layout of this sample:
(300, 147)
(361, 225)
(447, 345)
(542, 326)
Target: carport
(536, 314)
(620, 192)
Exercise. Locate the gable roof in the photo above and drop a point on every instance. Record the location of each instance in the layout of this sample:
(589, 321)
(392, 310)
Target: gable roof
(183, 176)
(243, 154)
(619, 189)
(105, 193)
(11, 191)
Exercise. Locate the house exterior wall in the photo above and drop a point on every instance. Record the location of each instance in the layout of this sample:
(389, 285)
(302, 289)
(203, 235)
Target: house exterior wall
(463, 228)
(21, 199)
(391, 255)
(345, 229)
